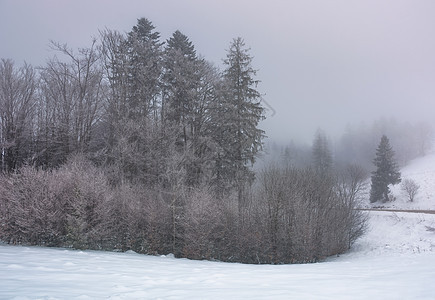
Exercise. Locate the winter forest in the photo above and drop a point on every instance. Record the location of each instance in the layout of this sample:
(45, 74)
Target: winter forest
(140, 144)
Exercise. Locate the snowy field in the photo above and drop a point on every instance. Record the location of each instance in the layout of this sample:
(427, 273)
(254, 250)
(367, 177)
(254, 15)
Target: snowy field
(394, 260)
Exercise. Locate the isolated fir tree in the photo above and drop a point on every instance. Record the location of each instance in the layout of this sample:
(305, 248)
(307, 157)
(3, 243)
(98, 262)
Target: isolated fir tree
(386, 173)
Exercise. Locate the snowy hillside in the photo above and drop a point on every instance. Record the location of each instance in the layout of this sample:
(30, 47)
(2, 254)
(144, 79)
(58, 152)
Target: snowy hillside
(394, 260)
(422, 172)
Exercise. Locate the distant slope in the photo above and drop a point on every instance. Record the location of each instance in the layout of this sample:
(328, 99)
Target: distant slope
(422, 171)
(396, 233)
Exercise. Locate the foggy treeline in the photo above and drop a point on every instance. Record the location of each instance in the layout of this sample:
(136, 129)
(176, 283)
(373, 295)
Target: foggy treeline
(358, 143)
(134, 143)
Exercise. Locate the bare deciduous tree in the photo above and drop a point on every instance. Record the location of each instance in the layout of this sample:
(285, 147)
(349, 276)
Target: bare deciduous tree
(70, 104)
(410, 188)
(310, 216)
(17, 90)
(351, 185)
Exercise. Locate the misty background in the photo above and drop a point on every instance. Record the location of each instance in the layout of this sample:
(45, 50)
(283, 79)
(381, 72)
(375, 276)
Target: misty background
(322, 64)
(118, 137)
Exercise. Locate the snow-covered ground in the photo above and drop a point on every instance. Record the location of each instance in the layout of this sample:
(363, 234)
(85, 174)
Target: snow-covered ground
(422, 172)
(394, 260)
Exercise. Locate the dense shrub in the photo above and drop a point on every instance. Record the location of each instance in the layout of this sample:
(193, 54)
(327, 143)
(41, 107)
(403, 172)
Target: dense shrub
(291, 215)
(62, 207)
(308, 216)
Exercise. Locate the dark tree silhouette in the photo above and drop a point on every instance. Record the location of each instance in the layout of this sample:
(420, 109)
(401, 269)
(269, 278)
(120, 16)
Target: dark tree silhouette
(386, 173)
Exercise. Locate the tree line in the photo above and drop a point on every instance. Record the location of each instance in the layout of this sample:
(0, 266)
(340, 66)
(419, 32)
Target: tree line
(358, 143)
(134, 143)
(135, 105)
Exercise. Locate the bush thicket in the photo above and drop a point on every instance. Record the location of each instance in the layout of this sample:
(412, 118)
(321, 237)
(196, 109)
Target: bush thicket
(291, 215)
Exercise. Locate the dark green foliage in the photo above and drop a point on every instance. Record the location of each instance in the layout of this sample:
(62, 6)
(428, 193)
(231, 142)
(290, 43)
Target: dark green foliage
(180, 83)
(144, 69)
(180, 42)
(386, 173)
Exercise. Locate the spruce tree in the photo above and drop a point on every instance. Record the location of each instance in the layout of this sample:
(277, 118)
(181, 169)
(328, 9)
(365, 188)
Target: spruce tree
(144, 69)
(134, 69)
(321, 154)
(180, 82)
(386, 173)
(188, 88)
(239, 112)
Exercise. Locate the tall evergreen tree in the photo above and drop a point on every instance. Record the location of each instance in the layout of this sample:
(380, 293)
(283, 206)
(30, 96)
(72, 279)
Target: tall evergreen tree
(133, 65)
(386, 173)
(239, 113)
(322, 157)
(188, 89)
(180, 81)
(145, 68)
(180, 42)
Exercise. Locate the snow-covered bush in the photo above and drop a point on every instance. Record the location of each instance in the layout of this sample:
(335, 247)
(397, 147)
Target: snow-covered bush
(291, 215)
(310, 216)
(60, 207)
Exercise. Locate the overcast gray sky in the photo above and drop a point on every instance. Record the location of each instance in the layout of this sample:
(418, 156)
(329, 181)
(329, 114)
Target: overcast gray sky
(322, 63)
